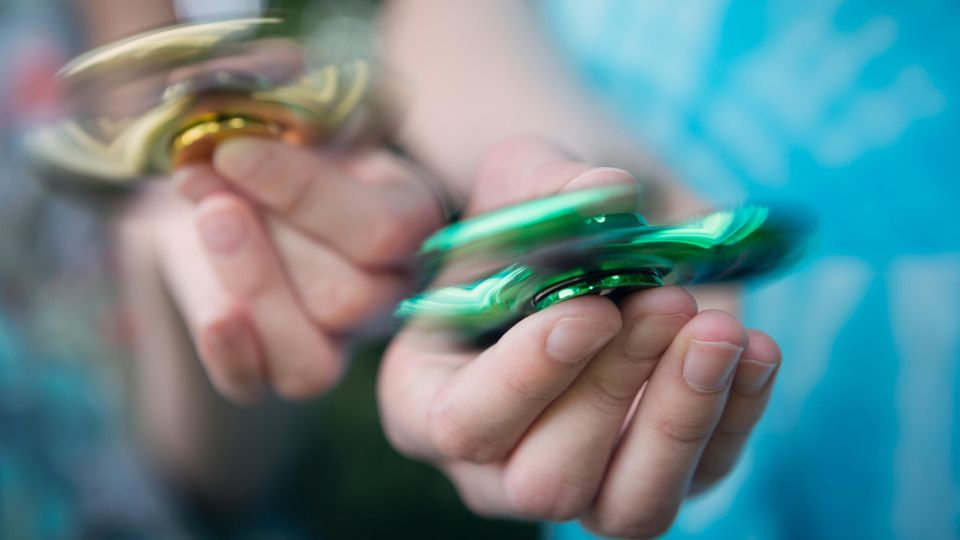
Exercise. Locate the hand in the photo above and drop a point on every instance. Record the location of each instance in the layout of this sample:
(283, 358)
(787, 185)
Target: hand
(607, 413)
(287, 252)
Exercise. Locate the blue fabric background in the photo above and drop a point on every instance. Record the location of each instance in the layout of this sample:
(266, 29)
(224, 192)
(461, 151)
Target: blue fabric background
(850, 107)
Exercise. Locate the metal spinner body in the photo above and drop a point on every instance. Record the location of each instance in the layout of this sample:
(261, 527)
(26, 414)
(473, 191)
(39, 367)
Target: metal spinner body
(159, 100)
(148, 104)
(493, 269)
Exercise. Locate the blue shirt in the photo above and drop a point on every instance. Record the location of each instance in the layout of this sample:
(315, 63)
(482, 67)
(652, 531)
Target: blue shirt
(852, 108)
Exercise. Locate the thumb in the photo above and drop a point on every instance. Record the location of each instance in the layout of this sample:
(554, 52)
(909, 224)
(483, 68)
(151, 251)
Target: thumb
(525, 168)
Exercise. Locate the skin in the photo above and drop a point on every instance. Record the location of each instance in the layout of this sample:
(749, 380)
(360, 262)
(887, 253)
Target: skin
(273, 255)
(587, 410)
(301, 249)
(266, 294)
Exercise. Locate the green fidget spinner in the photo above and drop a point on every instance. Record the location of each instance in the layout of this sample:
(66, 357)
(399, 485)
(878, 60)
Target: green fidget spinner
(496, 268)
(166, 98)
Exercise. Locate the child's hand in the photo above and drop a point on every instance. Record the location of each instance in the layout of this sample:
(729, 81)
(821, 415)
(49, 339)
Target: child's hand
(607, 413)
(288, 251)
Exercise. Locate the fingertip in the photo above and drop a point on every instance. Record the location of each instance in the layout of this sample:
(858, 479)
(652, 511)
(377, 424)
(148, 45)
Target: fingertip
(238, 395)
(715, 326)
(229, 352)
(238, 159)
(309, 382)
(759, 362)
(224, 223)
(571, 332)
(655, 316)
(197, 181)
(660, 301)
(311, 367)
(597, 309)
(762, 348)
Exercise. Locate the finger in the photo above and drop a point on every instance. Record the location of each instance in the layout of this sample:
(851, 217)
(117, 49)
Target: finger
(415, 366)
(197, 181)
(225, 343)
(525, 168)
(230, 353)
(431, 392)
(557, 468)
(488, 404)
(749, 394)
(480, 487)
(681, 404)
(300, 360)
(372, 224)
(335, 293)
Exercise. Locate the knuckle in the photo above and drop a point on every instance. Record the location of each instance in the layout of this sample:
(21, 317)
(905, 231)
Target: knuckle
(294, 196)
(385, 237)
(316, 292)
(547, 496)
(611, 396)
(256, 282)
(454, 439)
(684, 430)
(338, 303)
(527, 391)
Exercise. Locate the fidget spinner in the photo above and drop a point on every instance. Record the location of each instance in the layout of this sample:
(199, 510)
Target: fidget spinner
(145, 105)
(496, 268)
(151, 103)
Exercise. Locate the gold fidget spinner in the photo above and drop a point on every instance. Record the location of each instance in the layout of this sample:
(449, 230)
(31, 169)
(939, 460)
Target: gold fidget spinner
(150, 103)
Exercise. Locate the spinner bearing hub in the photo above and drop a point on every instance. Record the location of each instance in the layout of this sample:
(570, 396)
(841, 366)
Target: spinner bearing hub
(148, 104)
(151, 103)
(588, 242)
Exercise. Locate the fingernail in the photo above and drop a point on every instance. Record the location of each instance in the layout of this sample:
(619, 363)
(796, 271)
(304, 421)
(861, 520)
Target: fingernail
(238, 158)
(598, 176)
(753, 376)
(573, 341)
(646, 339)
(222, 231)
(709, 365)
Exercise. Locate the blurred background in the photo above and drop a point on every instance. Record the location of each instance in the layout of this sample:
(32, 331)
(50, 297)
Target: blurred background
(848, 106)
(70, 462)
